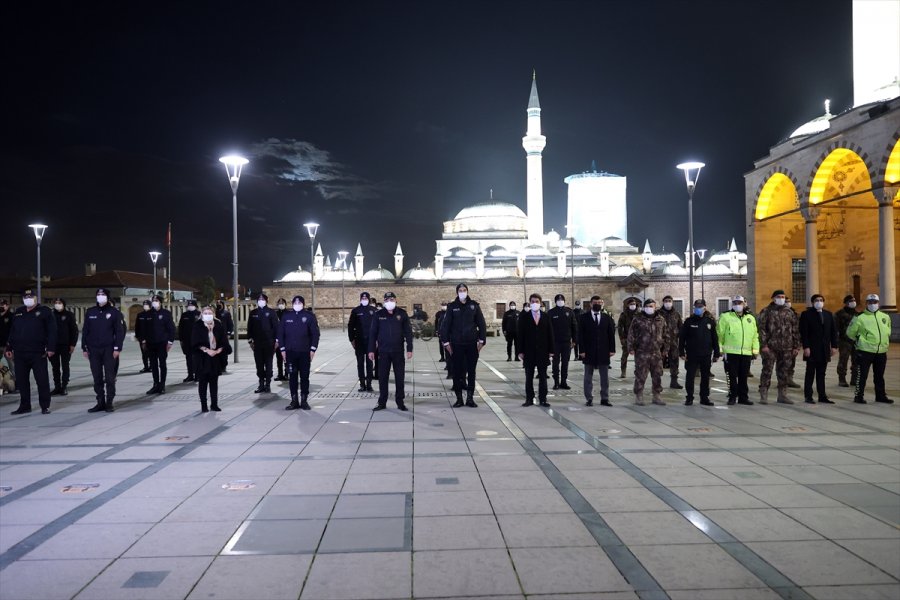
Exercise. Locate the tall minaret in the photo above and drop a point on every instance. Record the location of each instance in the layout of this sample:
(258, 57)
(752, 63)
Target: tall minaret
(534, 143)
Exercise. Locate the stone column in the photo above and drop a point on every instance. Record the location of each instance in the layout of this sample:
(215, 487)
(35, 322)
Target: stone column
(886, 251)
(812, 261)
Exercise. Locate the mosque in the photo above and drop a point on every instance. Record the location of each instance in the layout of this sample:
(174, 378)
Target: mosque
(505, 254)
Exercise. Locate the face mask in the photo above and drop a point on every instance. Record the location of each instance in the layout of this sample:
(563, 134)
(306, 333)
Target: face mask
(818, 305)
(207, 318)
(364, 302)
(596, 307)
(535, 307)
(281, 306)
(191, 308)
(463, 296)
(101, 300)
(298, 306)
(560, 303)
(698, 312)
(146, 307)
(738, 308)
(667, 305)
(390, 305)
(872, 307)
(261, 303)
(851, 304)
(779, 301)
(29, 302)
(59, 307)
(155, 305)
(511, 307)
(632, 307)
(444, 307)
(649, 310)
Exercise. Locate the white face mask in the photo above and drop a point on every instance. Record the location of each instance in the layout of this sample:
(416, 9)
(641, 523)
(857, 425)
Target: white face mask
(390, 305)
(463, 296)
(29, 302)
(851, 304)
(872, 307)
(146, 307)
(819, 305)
(101, 300)
(298, 306)
(364, 302)
(560, 303)
(208, 317)
(649, 310)
(261, 303)
(738, 308)
(59, 307)
(191, 308)
(281, 306)
(779, 301)
(632, 307)
(511, 307)
(155, 305)
(535, 307)
(667, 305)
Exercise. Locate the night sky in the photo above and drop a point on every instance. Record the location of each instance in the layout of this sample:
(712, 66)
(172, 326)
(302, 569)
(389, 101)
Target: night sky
(380, 120)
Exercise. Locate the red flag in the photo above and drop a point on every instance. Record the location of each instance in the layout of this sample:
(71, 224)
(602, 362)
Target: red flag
(169, 238)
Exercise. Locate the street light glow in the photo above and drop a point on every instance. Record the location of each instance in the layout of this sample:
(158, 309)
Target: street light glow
(691, 172)
(154, 256)
(39, 230)
(312, 229)
(233, 166)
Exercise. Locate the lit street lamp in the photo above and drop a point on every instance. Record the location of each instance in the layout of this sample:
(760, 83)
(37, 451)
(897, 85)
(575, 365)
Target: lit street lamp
(233, 166)
(342, 257)
(312, 229)
(38, 235)
(154, 256)
(691, 175)
(701, 252)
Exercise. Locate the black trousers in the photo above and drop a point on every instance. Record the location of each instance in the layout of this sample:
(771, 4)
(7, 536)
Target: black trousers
(280, 362)
(512, 342)
(864, 360)
(737, 367)
(465, 359)
(27, 363)
(297, 364)
(60, 363)
(263, 353)
(103, 368)
(815, 370)
(365, 368)
(530, 366)
(145, 356)
(211, 381)
(441, 350)
(188, 359)
(561, 355)
(387, 360)
(158, 354)
(691, 365)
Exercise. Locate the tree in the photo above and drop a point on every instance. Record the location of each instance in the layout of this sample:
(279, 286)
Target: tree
(208, 292)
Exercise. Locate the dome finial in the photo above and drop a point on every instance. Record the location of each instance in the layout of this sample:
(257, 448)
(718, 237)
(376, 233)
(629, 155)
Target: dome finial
(492, 193)
(827, 107)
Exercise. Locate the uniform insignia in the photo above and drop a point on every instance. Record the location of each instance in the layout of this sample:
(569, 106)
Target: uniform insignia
(37, 313)
(108, 315)
(303, 320)
(160, 317)
(63, 319)
(709, 325)
(398, 317)
(471, 307)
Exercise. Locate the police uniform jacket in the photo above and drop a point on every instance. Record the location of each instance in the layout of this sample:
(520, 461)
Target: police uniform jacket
(389, 330)
(596, 341)
(360, 324)
(298, 332)
(32, 330)
(463, 323)
(161, 327)
(225, 316)
(142, 325)
(66, 328)
(186, 326)
(102, 329)
(698, 337)
(262, 326)
(508, 325)
(562, 320)
(5, 326)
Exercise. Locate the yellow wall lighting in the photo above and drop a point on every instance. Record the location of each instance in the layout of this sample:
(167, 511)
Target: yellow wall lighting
(841, 157)
(778, 196)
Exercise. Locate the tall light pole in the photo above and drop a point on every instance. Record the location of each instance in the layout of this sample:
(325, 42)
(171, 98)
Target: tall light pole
(342, 256)
(233, 166)
(701, 252)
(38, 236)
(691, 175)
(312, 229)
(572, 248)
(154, 256)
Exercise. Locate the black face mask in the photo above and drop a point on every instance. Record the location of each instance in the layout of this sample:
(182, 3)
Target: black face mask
(596, 307)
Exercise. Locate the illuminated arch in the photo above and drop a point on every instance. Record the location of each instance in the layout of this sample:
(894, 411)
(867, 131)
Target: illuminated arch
(778, 195)
(842, 173)
(892, 170)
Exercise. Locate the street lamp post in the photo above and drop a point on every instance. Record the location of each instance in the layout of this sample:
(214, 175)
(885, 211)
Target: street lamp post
(342, 256)
(233, 166)
(154, 256)
(38, 236)
(701, 252)
(572, 247)
(691, 175)
(312, 229)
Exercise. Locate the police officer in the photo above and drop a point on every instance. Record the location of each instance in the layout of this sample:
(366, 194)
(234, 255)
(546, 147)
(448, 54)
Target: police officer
(779, 338)
(358, 328)
(508, 327)
(262, 328)
(647, 341)
(390, 329)
(673, 327)
(32, 339)
(160, 337)
(66, 339)
(101, 342)
(739, 342)
(141, 324)
(297, 339)
(629, 312)
(791, 382)
(565, 332)
(224, 316)
(438, 319)
(6, 317)
(464, 334)
(279, 312)
(186, 323)
(697, 341)
(842, 319)
(870, 330)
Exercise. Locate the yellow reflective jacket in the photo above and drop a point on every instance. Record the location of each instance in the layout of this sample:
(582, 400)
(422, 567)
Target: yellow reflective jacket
(738, 334)
(870, 331)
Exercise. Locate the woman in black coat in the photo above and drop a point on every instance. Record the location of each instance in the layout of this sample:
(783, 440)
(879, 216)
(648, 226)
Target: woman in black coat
(534, 337)
(208, 341)
(818, 335)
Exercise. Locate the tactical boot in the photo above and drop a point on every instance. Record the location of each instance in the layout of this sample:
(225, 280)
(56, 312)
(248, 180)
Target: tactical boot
(842, 381)
(675, 385)
(459, 400)
(294, 405)
(793, 384)
(203, 407)
(782, 398)
(268, 388)
(56, 391)
(706, 402)
(470, 402)
(555, 384)
(261, 388)
(369, 386)
(64, 391)
(564, 385)
(763, 395)
(109, 406)
(401, 406)
(658, 400)
(214, 405)
(362, 385)
(639, 399)
(99, 407)
(304, 404)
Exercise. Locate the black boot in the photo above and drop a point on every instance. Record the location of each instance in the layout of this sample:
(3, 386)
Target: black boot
(21, 410)
(203, 407)
(369, 385)
(261, 388)
(55, 391)
(63, 391)
(304, 404)
(109, 406)
(362, 385)
(564, 385)
(294, 405)
(401, 406)
(268, 388)
(555, 384)
(152, 390)
(470, 402)
(99, 407)
(459, 400)
(161, 388)
(214, 405)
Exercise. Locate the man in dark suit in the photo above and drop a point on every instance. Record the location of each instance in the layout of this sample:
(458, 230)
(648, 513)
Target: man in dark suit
(534, 339)
(818, 336)
(597, 343)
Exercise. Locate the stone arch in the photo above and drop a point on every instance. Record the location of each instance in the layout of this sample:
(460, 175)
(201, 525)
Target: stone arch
(890, 167)
(795, 238)
(842, 171)
(776, 194)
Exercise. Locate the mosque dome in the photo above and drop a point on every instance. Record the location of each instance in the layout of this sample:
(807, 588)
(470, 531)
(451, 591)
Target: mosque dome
(541, 272)
(378, 274)
(298, 275)
(499, 273)
(535, 250)
(674, 269)
(622, 271)
(666, 258)
(337, 275)
(585, 271)
(817, 125)
(714, 269)
(419, 274)
(491, 216)
(498, 252)
(459, 274)
(617, 245)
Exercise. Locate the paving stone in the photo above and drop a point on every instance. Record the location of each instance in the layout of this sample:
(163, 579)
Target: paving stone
(569, 574)
(262, 577)
(457, 533)
(819, 563)
(486, 573)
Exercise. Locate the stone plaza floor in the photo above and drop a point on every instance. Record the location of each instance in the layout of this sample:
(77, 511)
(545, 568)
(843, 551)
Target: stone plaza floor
(160, 501)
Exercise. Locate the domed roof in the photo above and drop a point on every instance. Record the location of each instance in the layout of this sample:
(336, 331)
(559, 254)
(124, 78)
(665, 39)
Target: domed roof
(459, 274)
(490, 209)
(541, 272)
(337, 275)
(298, 275)
(459, 252)
(378, 274)
(498, 217)
(585, 271)
(714, 269)
(622, 271)
(666, 258)
(499, 273)
(674, 269)
(535, 250)
(420, 274)
(499, 252)
(817, 125)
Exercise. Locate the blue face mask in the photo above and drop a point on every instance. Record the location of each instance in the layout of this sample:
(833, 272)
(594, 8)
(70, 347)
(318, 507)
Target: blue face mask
(698, 312)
